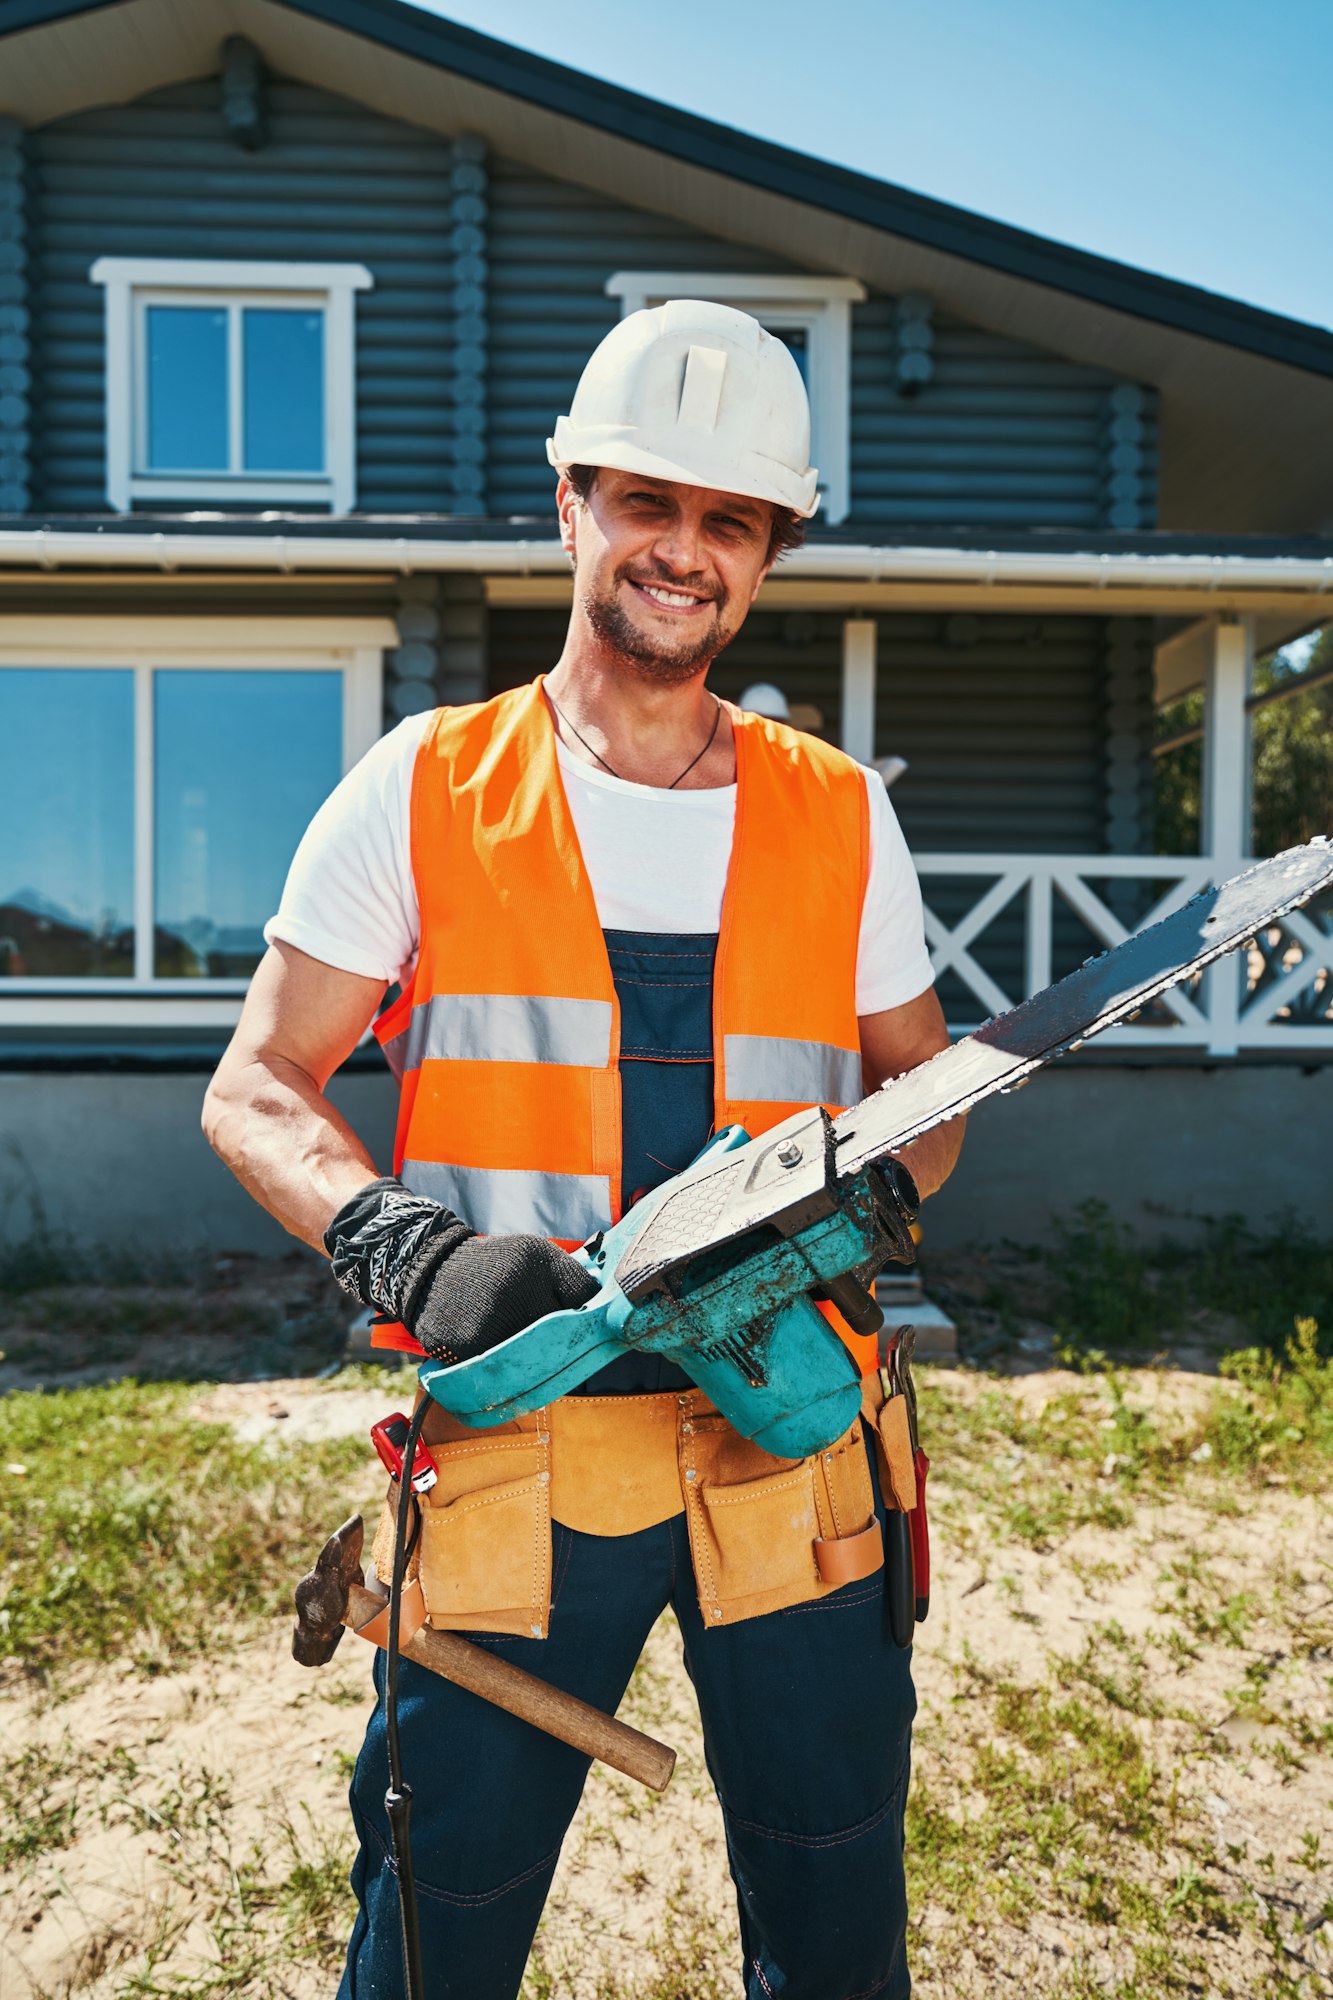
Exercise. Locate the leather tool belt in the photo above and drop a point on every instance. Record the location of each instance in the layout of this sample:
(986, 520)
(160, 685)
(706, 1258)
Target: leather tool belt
(765, 1532)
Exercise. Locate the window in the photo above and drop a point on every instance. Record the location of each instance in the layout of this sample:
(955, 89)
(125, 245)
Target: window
(230, 381)
(153, 800)
(813, 317)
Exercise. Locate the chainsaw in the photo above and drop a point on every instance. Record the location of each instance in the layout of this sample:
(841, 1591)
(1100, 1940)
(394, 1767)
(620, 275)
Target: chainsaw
(722, 1269)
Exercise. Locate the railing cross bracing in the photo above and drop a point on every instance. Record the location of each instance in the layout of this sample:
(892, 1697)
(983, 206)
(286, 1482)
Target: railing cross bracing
(1002, 926)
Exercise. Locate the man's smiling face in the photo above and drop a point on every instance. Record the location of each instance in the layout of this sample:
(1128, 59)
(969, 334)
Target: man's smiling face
(664, 573)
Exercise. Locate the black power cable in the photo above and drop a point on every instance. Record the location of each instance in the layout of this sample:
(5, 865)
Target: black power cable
(398, 1798)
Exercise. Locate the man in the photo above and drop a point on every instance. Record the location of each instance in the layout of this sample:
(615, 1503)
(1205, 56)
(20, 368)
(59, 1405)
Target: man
(621, 912)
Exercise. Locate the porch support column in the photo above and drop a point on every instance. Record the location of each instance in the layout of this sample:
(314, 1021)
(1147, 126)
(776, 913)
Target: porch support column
(858, 688)
(1226, 806)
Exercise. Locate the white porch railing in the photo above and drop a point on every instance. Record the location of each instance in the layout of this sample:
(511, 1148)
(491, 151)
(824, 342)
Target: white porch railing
(1278, 995)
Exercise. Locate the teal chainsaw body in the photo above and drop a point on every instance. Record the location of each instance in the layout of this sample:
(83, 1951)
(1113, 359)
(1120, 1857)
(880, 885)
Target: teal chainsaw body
(719, 1269)
(743, 1326)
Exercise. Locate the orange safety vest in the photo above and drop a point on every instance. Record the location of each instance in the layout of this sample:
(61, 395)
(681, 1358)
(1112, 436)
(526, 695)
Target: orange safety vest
(506, 1042)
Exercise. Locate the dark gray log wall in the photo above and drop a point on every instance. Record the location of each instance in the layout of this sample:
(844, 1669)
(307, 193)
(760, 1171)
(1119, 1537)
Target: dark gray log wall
(962, 425)
(15, 322)
(489, 295)
(332, 183)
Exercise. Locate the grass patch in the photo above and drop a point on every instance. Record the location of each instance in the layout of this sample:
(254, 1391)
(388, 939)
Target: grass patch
(38, 1804)
(129, 1527)
(693, 1958)
(1113, 1293)
(1091, 1455)
(1068, 1815)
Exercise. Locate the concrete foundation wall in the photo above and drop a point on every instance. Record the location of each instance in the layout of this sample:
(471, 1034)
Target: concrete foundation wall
(1160, 1146)
(118, 1157)
(106, 1156)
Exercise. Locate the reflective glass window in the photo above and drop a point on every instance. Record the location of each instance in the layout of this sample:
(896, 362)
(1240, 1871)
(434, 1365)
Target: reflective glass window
(283, 373)
(67, 823)
(186, 377)
(243, 759)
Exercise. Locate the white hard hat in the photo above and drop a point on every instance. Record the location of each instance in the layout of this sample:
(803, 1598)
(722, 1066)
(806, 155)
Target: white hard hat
(697, 393)
(765, 699)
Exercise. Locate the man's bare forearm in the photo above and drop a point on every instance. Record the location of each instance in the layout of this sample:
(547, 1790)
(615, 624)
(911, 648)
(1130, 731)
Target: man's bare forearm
(266, 1115)
(932, 1158)
(286, 1144)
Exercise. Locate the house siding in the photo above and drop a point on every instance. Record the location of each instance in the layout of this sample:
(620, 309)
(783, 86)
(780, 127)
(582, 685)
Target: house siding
(333, 183)
(15, 323)
(990, 431)
(489, 295)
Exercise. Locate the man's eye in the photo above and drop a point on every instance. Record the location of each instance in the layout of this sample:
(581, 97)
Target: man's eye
(734, 526)
(648, 499)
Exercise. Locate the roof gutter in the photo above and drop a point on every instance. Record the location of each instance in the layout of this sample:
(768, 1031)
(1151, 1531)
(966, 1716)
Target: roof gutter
(47, 548)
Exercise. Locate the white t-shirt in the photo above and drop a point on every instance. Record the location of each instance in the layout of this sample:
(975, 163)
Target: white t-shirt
(657, 861)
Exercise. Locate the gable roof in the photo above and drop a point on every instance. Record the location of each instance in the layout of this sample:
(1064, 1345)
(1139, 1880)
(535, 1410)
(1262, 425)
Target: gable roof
(1243, 390)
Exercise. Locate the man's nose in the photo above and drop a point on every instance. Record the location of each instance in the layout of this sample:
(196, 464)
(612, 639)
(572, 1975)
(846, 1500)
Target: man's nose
(678, 545)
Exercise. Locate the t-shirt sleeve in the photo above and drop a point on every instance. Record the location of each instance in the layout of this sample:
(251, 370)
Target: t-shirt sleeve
(350, 899)
(892, 964)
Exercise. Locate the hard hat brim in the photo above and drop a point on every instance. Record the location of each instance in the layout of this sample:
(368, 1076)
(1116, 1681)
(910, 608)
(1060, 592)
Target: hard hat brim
(753, 478)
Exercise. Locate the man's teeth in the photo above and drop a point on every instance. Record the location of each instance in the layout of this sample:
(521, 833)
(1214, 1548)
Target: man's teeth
(679, 600)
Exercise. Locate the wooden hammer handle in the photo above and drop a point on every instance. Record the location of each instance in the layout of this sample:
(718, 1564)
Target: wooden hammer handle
(548, 1708)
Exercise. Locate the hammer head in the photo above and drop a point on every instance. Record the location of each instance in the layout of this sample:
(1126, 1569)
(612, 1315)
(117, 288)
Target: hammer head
(322, 1595)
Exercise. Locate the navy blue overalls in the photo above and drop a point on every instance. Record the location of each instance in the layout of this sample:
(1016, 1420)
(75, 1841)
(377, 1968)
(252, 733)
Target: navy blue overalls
(806, 1713)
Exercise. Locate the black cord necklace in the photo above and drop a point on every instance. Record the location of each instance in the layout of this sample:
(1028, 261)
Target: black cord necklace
(717, 717)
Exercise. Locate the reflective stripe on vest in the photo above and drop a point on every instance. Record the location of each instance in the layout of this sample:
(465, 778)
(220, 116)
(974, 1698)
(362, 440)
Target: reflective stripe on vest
(501, 1027)
(508, 1037)
(503, 1200)
(767, 1069)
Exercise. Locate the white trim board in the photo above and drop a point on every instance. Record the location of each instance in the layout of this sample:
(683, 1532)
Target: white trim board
(162, 638)
(1297, 577)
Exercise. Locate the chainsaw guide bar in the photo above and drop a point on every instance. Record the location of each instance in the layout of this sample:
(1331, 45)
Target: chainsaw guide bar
(798, 1172)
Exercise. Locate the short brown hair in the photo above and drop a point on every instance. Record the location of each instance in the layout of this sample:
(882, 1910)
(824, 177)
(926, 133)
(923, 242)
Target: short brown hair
(787, 531)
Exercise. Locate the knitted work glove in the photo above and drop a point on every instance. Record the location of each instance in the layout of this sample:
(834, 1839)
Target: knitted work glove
(458, 1293)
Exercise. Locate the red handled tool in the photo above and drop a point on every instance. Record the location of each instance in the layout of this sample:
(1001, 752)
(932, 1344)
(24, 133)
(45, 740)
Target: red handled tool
(389, 1436)
(920, 1538)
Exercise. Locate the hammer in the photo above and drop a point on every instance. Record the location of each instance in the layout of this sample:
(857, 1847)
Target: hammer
(333, 1595)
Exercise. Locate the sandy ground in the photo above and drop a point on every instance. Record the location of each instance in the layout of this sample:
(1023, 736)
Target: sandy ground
(190, 1778)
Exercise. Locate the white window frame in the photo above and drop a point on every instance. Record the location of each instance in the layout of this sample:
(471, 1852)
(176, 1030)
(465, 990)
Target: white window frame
(821, 308)
(353, 647)
(132, 284)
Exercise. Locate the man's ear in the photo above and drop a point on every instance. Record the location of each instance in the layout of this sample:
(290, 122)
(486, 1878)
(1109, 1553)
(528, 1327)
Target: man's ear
(568, 500)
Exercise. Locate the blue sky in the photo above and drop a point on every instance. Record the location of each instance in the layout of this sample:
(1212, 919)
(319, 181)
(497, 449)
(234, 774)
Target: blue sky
(1185, 136)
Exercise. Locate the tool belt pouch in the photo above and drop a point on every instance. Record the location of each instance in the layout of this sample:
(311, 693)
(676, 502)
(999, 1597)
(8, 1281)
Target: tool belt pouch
(893, 1454)
(767, 1533)
(484, 1551)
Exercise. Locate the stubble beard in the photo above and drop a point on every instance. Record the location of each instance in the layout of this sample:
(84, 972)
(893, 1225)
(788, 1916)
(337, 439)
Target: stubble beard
(669, 666)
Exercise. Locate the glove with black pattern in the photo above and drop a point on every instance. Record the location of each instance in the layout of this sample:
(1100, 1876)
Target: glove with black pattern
(458, 1293)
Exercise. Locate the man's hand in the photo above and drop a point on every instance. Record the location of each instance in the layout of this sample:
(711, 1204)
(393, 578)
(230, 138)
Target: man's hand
(458, 1293)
